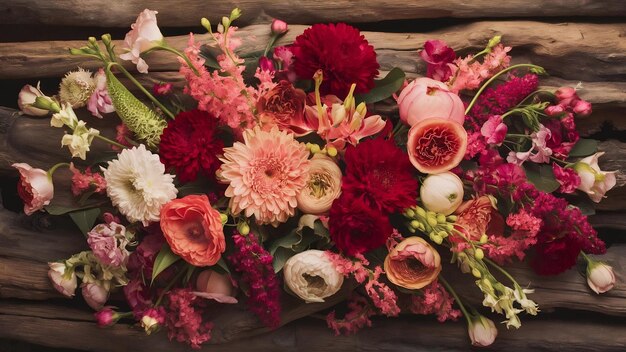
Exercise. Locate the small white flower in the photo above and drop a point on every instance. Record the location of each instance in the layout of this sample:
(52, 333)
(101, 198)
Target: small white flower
(138, 185)
(80, 140)
(312, 276)
(65, 117)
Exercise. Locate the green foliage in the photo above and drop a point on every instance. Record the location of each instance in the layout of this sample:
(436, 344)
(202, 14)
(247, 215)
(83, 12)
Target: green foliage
(384, 88)
(85, 219)
(164, 260)
(584, 147)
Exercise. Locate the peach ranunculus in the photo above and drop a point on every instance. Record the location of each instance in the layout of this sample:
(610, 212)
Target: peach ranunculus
(476, 217)
(193, 230)
(283, 106)
(412, 263)
(143, 36)
(212, 285)
(35, 187)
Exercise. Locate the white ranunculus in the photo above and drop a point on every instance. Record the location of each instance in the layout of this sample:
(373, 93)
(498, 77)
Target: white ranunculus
(442, 193)
(600, 277)
(594, 181)
(143, 36)
(323, 186)
(312, 276)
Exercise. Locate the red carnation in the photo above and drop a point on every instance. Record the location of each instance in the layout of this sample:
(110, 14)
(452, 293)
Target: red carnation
(190, 144)
(355, 227)
(341, 52)
(381, 174)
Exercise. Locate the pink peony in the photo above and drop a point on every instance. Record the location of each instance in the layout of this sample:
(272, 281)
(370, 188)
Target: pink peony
(143, 36)
(425, 98)
(35, 187)
(494, 130)
(100, 101)
(264, 174)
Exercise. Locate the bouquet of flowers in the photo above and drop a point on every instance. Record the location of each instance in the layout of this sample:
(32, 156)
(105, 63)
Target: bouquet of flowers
(278, 179)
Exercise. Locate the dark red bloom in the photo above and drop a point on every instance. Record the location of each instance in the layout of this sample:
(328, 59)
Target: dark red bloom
(355, 227)
(380, 173)
(341, 52)
(190, 144)
(437, 54)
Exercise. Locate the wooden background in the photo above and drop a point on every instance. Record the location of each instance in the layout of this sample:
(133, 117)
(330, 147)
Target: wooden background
(575, 40)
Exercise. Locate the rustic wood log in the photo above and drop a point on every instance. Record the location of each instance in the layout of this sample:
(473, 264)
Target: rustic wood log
(574, 51)
(187, 12)
(64, 327)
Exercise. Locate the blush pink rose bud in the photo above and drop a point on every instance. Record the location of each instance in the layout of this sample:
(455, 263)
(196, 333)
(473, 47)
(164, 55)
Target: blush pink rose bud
(95, 295)
(425, 98)
(600, 276)
(212, 285)
(582, 108)
(482, 331)
(106, 317)
(279, 27)
(27, 97)
(153, 319)
(35, 187)
(63, 279)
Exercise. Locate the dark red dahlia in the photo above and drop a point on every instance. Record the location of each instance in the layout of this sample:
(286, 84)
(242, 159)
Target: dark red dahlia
(355, 227)
(190, 145)
(381, 174)
(341, 52)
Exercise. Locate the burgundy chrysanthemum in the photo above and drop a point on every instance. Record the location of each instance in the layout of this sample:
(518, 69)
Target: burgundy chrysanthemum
(381, 174)
(341, 52)
(190, 145)
(355, 227)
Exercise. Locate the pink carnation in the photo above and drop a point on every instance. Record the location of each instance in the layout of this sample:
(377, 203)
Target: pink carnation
(435, 300)
(100, 101)
(87, 181)
(108, 243)
(567, 178)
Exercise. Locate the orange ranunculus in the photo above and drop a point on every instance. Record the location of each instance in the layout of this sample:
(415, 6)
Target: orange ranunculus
(478, 216)
(412, 263)
(193, 230)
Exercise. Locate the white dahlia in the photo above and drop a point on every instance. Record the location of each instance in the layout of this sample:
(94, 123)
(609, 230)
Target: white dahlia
(138, 185)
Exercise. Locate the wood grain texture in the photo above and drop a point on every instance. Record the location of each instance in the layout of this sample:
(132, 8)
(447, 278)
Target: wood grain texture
(188, 12)
(573, 51)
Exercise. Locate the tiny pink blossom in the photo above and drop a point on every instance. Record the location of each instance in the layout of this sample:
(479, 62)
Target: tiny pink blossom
(100, 101)
(162, 88)
(82, 182)
(494, 130)
(279, 27)
(567, 178)
(435, 300)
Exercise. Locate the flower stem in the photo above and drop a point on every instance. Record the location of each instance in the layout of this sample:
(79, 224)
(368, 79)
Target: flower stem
(110, 141)
(486, 84)
(181, 55)
(150, 96)
(55, 167)
(270, 43)
(466, 314)
(169, 286)
(500, 269)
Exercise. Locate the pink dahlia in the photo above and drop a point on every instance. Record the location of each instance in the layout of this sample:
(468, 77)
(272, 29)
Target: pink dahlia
(341, 52)
(264, 174)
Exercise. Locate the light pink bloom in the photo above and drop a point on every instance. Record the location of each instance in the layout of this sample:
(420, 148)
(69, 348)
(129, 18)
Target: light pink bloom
(494, 130)
(594, 181)
(425, 98)
(63, 279)
(482, 331)
(218, 287)
(100, 101)
(143, 36)
(95, 295)
(566, 96)
(35, 187)
(106, 317)
(265, 173)
(600, 277)
(103, 241)
(279, 27)
(162, 88)
(539, 152)
(27, 96)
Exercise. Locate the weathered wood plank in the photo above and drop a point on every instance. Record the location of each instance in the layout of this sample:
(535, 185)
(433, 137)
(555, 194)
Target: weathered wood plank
(574, 51)
(188, 12)
(64, 327)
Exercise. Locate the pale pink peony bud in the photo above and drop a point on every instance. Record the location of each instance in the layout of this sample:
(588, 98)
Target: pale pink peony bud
(212, 285)
(27, 96)
(425, 98)
(35, 187)
(600, 276)
(482, 331)
(95, 295)
(62, 279)
(279, 27)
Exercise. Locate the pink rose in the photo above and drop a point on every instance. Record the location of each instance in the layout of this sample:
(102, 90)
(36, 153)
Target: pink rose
(143, 36)
(425, 98)
(95, 295)
(35, 187)
(494, 130)
(100, 101)
(582, 108)
(212, 285)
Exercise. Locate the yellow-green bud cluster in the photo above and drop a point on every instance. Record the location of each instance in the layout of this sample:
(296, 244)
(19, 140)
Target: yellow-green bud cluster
(437, 226)
(328, 150)
(140, 119)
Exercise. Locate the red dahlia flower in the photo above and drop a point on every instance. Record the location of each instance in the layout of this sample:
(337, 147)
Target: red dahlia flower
(355, 227)
(341, 52)
(380, 173)
(190, 145)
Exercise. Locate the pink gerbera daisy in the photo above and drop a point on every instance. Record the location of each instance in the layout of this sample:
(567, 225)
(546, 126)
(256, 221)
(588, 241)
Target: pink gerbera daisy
(265, 173)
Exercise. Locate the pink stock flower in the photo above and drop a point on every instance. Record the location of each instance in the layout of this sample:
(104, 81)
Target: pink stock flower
(435, 300)
(469, 74)
(87, 181)
(184, 318)
(357, 317)
(525, 228)
(100, 102)
(538, 153)
(425, 98)
(438, 55)
(143, 36)
(35, 187)
(108, 243)
(383, 297)
(162, 88)
(494, 130)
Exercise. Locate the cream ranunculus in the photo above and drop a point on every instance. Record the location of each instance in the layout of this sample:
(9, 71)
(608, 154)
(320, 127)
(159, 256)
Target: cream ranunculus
(412, 263)
(594, 181)
(600, 277)
(322, 188)
(312, 276)
(442, 193)
(143, 36)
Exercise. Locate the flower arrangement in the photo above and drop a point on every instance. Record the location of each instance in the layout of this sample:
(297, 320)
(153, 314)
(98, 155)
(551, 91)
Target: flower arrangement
(278, 173)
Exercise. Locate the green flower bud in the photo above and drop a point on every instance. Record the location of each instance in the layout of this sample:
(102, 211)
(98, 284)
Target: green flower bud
(409, 213)
(479, 254)
(441, 218)
(420, 212)
(415, 224)
(476, 273)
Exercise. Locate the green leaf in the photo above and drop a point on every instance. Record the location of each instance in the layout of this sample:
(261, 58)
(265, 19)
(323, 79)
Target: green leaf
(281, 255)
(53, 209)
(85, 219)
(584, 147)
(221, 264)
(384, 88)
(542, 177)
(209, 59)
(164, 260)
(190, 269)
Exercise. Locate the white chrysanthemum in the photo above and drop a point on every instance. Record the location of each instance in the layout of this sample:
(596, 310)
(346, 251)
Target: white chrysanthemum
(138, 185)
(76, 88)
